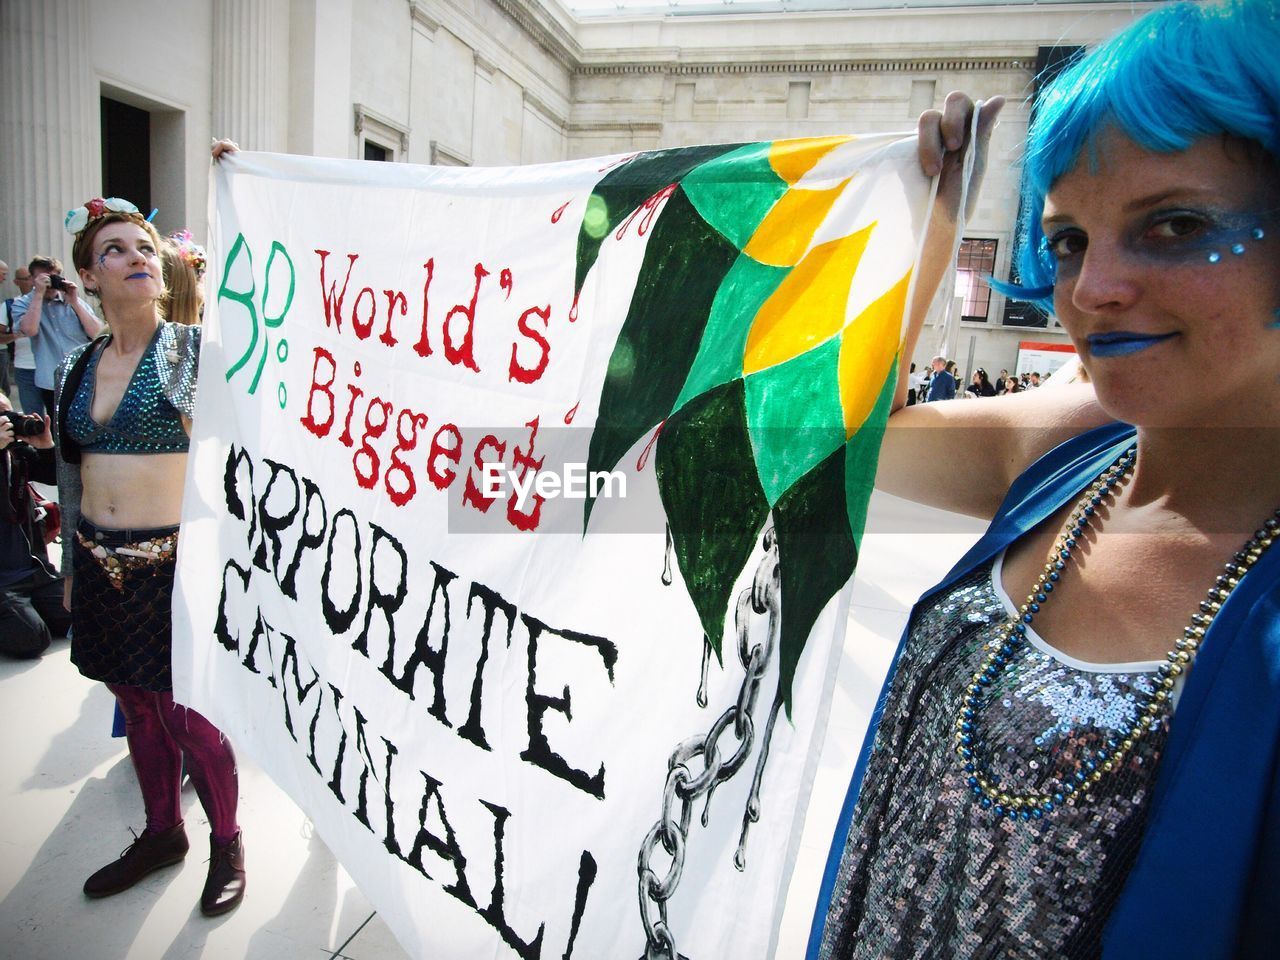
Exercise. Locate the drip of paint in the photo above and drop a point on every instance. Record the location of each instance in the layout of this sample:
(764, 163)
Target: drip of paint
(648, 447)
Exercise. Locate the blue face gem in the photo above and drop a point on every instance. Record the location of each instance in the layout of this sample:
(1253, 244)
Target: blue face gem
(1214, 256)
(1257, 233)
(1237, 248)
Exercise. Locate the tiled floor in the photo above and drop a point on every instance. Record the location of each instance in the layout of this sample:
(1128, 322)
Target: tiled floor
(67, 792)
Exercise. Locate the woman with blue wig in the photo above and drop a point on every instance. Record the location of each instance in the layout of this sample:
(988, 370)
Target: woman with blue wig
(1092, 768)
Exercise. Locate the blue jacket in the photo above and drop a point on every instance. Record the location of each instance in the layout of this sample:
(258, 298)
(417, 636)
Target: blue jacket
(1206, 882)
(942, 386)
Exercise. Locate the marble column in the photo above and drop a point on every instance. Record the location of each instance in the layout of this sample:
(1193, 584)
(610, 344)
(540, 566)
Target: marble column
(251, 73)
(50, 149)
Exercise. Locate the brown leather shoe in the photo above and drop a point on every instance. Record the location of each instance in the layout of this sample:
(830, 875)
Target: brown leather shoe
(148, 853)
(224, 888)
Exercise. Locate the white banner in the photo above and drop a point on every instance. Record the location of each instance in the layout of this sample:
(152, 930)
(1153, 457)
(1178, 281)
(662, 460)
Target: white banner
(495, 697)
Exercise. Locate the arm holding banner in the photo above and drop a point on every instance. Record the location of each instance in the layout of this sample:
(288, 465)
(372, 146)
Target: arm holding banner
(923, 441)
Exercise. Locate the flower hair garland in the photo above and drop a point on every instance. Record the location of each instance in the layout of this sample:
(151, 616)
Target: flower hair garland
(79, 218)
(192, 253)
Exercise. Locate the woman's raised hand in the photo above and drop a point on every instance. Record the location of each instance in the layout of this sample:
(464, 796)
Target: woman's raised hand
(943, 136)
(223, 146)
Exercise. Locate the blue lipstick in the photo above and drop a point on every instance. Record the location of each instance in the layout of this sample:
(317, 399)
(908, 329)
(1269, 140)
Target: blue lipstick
(1120, 343)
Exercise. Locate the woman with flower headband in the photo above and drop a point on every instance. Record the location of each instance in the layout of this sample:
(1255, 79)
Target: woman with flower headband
(1096, 771)
(184, 263)
(124, 403)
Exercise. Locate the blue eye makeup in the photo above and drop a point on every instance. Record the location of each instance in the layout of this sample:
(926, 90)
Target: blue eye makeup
(1173, 238)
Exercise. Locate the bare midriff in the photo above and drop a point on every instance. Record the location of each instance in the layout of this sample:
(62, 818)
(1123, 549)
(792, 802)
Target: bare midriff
(132, 490)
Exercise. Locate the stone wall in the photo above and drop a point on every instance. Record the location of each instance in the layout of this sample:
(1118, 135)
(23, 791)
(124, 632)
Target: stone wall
(491, 82)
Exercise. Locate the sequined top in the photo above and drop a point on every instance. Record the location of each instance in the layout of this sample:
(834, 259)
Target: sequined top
(928, 872)
(173, 359)
(147, 419)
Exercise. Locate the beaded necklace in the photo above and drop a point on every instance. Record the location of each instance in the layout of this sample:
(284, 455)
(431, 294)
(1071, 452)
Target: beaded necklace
(1149, 706)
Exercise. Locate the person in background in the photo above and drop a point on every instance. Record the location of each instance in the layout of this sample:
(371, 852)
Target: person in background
(56, 320)
(981, 385)
(124, 403)
(943, 384)
(24, 357)
(1000, 381)
(6, 337)
(1075, 752)
(184, 263)
(915, 385)
(31, 610)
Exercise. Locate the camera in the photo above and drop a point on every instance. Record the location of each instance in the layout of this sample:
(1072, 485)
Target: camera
(24, 424)
(57, 281)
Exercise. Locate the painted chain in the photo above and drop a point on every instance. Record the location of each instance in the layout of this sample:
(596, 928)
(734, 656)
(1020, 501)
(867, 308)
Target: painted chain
(684, 787)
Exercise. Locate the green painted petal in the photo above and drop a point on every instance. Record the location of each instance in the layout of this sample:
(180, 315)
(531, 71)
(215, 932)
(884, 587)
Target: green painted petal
(795, 417)
(862, 454)
(684, 264)
(719, 360)
(733, 192)
(626, 187)
(713, 501)
(816, 557)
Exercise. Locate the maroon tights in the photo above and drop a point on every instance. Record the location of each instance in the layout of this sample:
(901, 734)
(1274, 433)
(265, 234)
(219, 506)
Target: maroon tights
(159, 733)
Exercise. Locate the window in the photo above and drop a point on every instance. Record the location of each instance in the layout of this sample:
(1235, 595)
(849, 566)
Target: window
(975, 264)
(379, 137)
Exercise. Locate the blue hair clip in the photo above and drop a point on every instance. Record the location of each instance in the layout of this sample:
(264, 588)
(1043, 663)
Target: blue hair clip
(152, 215)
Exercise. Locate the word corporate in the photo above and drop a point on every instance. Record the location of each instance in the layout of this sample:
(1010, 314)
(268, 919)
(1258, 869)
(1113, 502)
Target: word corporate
(294, 537)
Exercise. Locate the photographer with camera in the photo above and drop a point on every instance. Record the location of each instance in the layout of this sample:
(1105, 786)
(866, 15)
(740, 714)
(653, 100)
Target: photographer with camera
(31, 609)
(56, 320)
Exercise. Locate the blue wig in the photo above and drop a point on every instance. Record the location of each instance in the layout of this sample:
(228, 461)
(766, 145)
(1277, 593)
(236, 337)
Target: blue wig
(1182, 72)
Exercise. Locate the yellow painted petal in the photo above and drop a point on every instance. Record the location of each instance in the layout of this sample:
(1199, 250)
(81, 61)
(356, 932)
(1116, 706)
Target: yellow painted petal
(792, 159)
(867, 348)
(785, 233)
(809, 305)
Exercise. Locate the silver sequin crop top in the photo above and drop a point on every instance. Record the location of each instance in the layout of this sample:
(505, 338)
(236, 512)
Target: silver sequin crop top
(160, 393)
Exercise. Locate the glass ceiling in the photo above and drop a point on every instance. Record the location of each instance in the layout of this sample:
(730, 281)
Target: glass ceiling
(612, 8)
